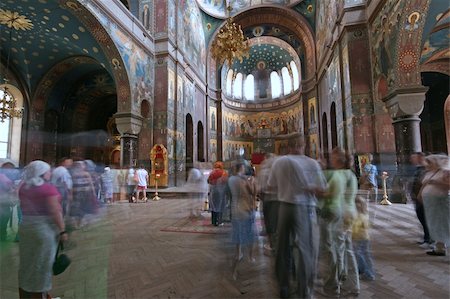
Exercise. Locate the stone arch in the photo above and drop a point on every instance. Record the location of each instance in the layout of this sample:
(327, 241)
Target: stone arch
(283, 17)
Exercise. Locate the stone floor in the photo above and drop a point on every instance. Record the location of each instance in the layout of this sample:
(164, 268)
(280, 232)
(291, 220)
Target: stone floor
(124, 254)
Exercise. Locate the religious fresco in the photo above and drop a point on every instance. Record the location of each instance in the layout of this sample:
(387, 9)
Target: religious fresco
(280, 123)
(171, 22)
(160, 19)
(346, 71)
(384, 36)
(171, 90)
(191, 39)
(327, 12)
(307, 9)
(212, 118)
(189, 92)
(358, 50)
(312, 113)
(212, 150)
(333, 79)
(314, 146)
(231, 149)
(146, 13)
(217, 8)
(180, 93)
(436, 38)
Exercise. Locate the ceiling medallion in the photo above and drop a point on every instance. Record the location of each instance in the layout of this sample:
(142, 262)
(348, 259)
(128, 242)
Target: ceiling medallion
(230, 42)
(15, 20)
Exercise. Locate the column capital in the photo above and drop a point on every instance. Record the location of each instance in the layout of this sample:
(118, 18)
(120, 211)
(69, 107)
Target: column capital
(128, 123)
(406, 102)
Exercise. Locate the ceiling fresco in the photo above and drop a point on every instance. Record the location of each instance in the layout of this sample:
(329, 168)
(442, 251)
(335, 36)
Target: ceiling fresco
(55, 35)
(266, 53)
(217, 8)
(436, 34)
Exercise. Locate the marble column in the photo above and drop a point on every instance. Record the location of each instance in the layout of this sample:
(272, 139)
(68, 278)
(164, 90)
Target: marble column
(405, 106)
(129, 125)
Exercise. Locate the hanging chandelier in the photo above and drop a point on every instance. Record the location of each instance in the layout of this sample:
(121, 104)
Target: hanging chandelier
(14, 21)
(230, 42)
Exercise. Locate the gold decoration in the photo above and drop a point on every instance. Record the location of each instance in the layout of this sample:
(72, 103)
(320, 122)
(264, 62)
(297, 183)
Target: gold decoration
(15, 20)
(230, 42)
(8, 105)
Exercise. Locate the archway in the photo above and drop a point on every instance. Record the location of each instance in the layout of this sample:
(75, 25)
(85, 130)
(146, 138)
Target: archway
(189, 143)
(200, 142)
(334, 137)
(325, 135)
(433, 117)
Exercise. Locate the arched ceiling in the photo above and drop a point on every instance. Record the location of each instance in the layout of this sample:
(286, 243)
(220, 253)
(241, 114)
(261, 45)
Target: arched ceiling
(55, 34)
(218, 9)
(268, 53)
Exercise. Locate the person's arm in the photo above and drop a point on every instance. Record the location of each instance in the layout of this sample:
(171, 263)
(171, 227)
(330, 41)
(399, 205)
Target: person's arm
(56, 214)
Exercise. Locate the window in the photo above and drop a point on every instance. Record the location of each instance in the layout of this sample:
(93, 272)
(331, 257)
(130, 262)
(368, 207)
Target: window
(287, 81)
(229, 81)
(249, 88)
(275, 82)
(237, 87)
(295, 75)
(4, 132)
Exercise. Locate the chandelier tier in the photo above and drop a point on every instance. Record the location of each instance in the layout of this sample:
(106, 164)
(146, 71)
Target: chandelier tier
(230, 42)
(8, 105)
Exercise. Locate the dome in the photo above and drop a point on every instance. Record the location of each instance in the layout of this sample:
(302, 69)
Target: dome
(271, 72)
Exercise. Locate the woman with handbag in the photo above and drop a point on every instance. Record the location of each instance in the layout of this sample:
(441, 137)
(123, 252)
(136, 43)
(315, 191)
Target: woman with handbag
(435, 194)
(41, 230)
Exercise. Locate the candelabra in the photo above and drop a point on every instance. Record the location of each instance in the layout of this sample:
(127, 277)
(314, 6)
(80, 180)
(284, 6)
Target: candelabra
(385, 200)
(156, 197)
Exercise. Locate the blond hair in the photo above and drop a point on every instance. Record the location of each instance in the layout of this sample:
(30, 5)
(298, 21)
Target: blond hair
(361, 205)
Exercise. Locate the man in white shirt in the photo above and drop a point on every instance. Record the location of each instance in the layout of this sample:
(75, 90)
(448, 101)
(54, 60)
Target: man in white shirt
(142, 179)
(62, 180)
(296, 178)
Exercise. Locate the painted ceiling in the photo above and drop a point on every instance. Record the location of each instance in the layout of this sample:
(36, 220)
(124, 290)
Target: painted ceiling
(55, 34)
(436, 33)
(267, 53)
(217, 8)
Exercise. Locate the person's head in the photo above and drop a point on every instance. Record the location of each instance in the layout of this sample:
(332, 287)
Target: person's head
(361, 205)
(239, 167)
(299, 146)
(369, 158)
(79, 165)
(218, 164)
(8, 165)
(435, 162)
(66, 162)
(36, 173)
(340, 159)
(417, 158)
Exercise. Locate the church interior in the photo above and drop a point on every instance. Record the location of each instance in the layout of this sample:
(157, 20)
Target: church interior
(126, 82)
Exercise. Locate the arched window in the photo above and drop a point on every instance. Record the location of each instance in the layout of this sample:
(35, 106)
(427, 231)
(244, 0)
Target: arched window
(11, 129)
(237, 87)
(229, 81)
(295, 75)
(249, 88)
(287, 81)
(275, 83)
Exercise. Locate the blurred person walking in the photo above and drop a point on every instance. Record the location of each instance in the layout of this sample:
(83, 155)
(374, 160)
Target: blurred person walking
(361, 240)
(243, 205)
(41, 229)
(418, 161)
(270, 203)
(296, 178)
(131, 185)
(142, 180)
(197, 188)
(368, 180)
(218, 181)
(106, 180)
(435, 194)
(62, 180)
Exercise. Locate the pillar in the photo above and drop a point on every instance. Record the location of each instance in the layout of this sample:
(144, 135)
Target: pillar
(129, 125)
(219, 126)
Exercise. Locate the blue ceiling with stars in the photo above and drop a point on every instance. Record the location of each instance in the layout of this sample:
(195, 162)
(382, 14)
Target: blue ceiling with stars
(55, 35)
(267, 56)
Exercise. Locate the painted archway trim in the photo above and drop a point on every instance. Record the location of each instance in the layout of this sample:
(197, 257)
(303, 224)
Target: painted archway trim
(100, 34)
(447, 122)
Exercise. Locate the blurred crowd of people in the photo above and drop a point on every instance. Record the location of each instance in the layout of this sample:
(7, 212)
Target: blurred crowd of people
(47, 204)
(316, 215)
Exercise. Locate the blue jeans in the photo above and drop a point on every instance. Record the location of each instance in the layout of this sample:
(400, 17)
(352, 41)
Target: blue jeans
(364, 257)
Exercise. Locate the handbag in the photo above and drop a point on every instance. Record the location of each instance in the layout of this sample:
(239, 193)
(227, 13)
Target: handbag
(62, 261)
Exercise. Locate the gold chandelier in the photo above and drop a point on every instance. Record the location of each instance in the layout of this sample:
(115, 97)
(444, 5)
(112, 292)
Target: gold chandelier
(230, 43)
(8, 104)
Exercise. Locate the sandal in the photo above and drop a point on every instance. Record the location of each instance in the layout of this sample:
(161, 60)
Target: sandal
(436, 253)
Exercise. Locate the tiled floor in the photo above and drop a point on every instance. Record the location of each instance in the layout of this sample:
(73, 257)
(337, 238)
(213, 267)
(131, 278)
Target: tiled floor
(124, 254)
